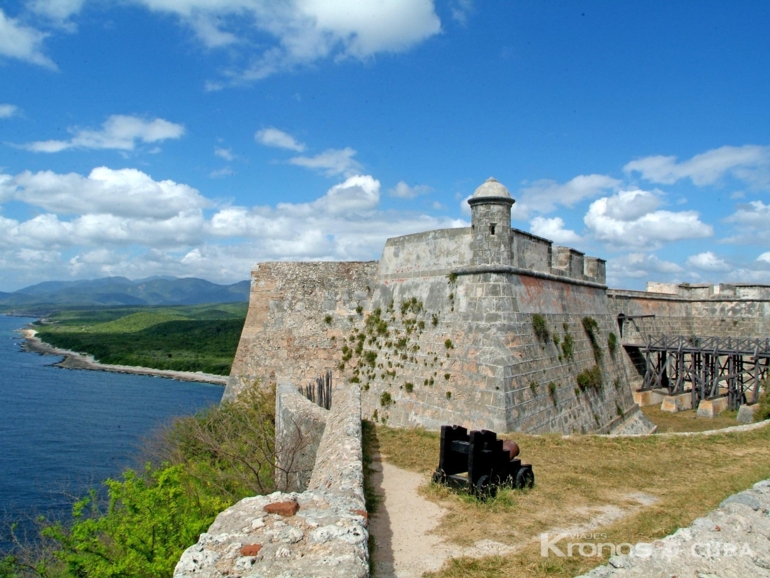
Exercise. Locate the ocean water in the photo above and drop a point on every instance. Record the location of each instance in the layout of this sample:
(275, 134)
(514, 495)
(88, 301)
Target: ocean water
(64, 431)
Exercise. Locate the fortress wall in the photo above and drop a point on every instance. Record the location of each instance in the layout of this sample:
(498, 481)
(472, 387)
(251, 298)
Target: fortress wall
(531, 252)
(430, 253)
(499, 373)
(286, 331)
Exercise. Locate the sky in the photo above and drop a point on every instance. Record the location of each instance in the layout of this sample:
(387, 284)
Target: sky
(199, 137)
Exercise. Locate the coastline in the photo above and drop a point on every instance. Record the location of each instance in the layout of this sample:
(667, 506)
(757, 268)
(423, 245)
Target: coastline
(74, 360)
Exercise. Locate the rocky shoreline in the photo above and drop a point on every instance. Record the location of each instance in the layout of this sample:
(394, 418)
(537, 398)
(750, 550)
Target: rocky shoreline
(74, 360)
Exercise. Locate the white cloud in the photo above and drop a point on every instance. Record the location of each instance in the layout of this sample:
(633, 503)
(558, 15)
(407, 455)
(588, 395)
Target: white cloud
(749, 163)
(752, 221)
(554, 230)
(123, 222)
(124, 192)
(221, 173)
(58, 10)
(118, 132)
(460, 10)
(304, 31)
(8, 110)
(545, 195)
(223, 153)
(22, 42)
(640, 266)
(404, 191)
(273, 137)
(626, 220)
(764, 257)
(708, 261)
(331, 162)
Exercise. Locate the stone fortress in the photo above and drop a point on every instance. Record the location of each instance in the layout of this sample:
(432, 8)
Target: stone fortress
(487, 327)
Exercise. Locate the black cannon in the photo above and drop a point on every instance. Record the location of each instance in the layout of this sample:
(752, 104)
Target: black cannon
(479, 462)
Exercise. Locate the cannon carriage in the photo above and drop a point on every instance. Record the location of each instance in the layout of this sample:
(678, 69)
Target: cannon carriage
(480, 463)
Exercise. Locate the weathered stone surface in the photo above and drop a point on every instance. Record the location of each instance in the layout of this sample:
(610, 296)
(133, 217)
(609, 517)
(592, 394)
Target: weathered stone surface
(319, 532)
(746, 413)
(733, 541)
(676, 403)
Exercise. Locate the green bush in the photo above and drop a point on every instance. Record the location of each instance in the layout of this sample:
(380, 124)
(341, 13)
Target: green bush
(386, 399)
(591, 328)
(568, 347)
(540, 327)
(590, 379)
(612, 343)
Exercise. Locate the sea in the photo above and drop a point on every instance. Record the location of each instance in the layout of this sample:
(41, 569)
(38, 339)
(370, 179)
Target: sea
(65, 431)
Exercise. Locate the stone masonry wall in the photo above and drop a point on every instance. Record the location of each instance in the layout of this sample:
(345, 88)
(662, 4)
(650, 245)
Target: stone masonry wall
(299, 427)
(297, 313)
(321, 532)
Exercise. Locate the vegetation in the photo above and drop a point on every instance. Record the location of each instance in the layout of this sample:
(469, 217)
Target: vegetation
(568, 347)
(203, 464)
(540, 327)
(186, 338)
(612, 343)
(590, 379)
(577, 478)
(591, 328)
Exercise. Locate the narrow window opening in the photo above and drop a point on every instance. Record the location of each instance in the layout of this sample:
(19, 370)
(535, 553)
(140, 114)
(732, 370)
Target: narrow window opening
(492, 228)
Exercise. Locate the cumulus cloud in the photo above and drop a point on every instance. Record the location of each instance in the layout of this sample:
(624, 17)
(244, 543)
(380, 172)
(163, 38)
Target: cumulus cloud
(22, 42)
(627, 220)
(124, 192)
(749, 163)
(331, 162)
(639, 266)
(118, 132)
(751, 220)
(58, 10)
(123, 222)
(8, 110)
(764, 257)
(708, 261)
(554, 230)
(273, 137)
(404, 191)
(546, 195)
(223, 153)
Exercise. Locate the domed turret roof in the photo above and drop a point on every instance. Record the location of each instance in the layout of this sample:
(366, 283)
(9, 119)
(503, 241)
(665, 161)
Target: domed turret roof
(491, 188)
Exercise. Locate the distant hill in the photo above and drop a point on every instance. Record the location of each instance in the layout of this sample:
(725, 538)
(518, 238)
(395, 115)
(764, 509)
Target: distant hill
(116, 291)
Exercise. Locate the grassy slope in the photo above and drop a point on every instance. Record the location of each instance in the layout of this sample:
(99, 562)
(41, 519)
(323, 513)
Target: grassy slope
(184, 338)
(576, 477)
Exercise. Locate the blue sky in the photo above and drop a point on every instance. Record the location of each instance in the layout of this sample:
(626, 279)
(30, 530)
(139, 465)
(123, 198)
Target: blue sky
(197, 137)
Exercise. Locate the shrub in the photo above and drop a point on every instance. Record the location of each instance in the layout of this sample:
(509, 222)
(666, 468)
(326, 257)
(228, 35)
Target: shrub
(409, 386)
(540, 327)
(590, 379)
(568, 347)
(591, 328)
(328, 320)
(386, 399)
(448, 344)
(612, 343)
(447, 376)
(449, 395)
(552, 391)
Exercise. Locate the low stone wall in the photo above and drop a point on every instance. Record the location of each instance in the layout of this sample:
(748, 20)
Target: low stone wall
(299, 427)
(319, 532)
(733, 540)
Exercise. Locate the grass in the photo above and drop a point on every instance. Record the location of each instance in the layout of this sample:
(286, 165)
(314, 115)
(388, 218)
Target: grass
(688, 421)
(187, 338)
(685, 477)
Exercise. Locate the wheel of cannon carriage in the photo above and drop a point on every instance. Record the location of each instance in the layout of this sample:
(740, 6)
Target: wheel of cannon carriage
(525, 478)
(485, 488)
(439, 477)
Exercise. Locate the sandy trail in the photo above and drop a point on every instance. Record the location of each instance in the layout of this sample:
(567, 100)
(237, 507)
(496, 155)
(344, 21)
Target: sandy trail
(404, 525)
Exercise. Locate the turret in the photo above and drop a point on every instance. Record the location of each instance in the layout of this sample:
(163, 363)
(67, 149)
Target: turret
(491, 223)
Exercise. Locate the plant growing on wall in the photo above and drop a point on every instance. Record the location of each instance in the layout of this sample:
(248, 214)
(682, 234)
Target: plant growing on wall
(590, 379)
(568, 347)
(552, 392)
(612, 343)
(540, 327)
(591, 328)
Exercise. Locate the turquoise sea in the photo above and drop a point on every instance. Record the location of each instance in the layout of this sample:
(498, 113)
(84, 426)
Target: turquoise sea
(64, 431)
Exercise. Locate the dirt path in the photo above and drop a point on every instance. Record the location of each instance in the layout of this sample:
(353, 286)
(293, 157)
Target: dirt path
(403, 528)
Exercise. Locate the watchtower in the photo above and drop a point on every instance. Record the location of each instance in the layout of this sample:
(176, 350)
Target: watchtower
(491, 224)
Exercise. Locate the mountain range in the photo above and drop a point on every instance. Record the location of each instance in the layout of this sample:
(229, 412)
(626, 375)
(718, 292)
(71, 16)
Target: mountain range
(116, 291)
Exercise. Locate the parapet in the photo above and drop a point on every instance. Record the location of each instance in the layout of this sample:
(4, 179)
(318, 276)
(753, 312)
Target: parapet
(738, 291)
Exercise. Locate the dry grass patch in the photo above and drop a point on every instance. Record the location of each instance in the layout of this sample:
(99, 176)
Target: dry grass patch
(631, 489)
(688, 420)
